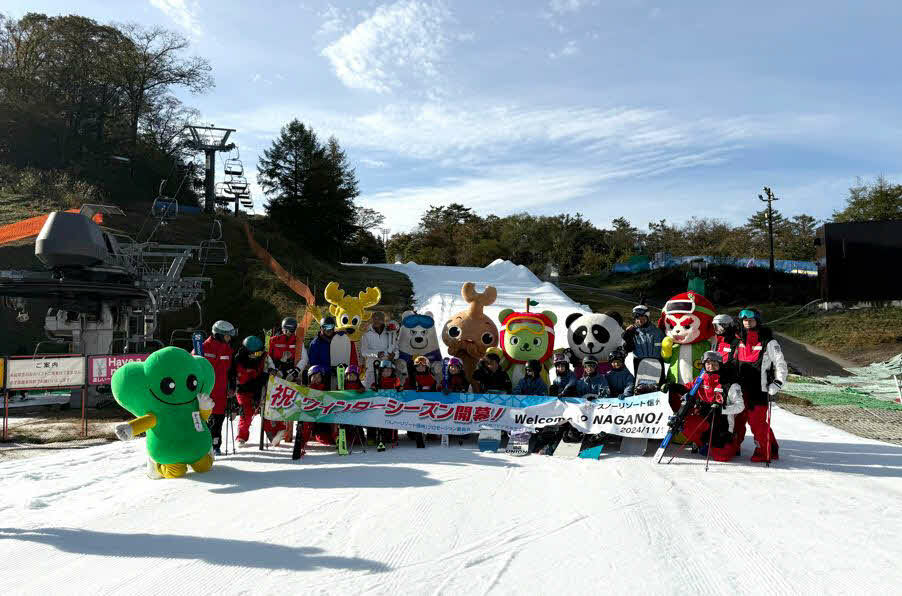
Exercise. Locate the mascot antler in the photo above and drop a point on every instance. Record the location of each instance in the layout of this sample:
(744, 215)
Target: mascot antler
(478, 300)
(371, 297)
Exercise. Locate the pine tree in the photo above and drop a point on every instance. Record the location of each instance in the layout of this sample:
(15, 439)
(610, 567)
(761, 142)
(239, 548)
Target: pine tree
(881, 200)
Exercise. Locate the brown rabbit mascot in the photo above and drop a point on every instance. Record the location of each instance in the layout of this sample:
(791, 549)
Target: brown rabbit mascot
(469, 333)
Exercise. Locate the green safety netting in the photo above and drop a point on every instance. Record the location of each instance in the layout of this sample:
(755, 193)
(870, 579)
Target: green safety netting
(872, 386)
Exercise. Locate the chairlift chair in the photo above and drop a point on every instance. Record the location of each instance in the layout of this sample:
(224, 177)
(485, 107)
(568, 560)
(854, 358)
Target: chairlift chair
(164, 208)
(237, 185)
(233, 167)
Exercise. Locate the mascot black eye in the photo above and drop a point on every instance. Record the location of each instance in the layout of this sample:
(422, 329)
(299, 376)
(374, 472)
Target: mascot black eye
(536, 341)
(579, 336)
(167, 385)
(355, 321)
(515, 340)
(454, 331)
(344, 320)
(488, 339)
(191, 383)
(601, 334)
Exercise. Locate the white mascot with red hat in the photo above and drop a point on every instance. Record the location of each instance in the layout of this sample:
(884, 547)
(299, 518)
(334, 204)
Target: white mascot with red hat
(688, 323)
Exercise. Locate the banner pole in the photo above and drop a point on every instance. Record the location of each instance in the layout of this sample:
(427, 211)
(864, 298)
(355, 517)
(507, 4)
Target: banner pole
(5, 413)
(84, 415)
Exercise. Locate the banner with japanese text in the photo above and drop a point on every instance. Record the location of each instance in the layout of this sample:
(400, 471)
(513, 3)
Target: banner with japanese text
(643, 416)
(101, 368)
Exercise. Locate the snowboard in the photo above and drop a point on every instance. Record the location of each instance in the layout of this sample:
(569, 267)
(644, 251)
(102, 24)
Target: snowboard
(648, 374)
(489, 440)
(565, 449)
(592, 446)
(518, 444)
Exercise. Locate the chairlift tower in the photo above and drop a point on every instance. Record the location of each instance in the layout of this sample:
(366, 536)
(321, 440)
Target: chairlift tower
(210, 140)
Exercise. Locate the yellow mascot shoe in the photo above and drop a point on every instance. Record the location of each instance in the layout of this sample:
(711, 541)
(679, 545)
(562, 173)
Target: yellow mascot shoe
(173, 470)
(204, 464)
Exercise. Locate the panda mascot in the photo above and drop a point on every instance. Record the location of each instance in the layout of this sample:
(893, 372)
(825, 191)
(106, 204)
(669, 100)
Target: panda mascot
(593, 334)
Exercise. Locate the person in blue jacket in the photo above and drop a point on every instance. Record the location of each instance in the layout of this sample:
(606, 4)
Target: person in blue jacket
(620, 380)
(532, 383)
(566, 384)
(319, 351)
(595, 381)
(642, 338)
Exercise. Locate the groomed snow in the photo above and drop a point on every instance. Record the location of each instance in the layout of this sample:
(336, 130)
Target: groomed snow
(825, 519)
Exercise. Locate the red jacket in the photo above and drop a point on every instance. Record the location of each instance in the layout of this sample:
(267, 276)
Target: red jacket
(220, 356)
(711, 390)
(423, 382)
(318, 386)
(458, 383)
(353, 385)
(387, 383)
(282, 344)
(246, 372)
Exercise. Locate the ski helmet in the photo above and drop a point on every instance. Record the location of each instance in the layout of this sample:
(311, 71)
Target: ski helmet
(352, 369)
(590, 360)
(327, 322)
(421, 360)
(534, 366)
(561, 358)
(713, 356)
(454, 361)
(640, 311)
(386, 364)
(223, 328)
(725, 321)
(252, 344)
(750, 313)
(617, 354)
(316, 369)
(289, 325)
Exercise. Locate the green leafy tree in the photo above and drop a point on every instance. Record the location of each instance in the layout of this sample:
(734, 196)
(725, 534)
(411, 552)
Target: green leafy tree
(872, 202)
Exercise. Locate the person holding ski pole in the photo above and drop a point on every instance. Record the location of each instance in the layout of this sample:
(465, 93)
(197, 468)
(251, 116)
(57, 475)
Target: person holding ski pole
(725, 338)
(216, 349)
(762, 372)
(250, 377)
(282, 350)
(718, 399)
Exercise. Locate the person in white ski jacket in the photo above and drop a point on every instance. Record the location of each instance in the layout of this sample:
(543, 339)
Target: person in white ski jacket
(378, 343)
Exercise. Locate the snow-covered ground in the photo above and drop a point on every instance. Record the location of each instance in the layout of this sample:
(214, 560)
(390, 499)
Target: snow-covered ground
(437, 289)
(825, 519)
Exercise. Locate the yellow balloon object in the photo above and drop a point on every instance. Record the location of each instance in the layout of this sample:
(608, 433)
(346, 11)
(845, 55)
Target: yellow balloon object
(351, 313)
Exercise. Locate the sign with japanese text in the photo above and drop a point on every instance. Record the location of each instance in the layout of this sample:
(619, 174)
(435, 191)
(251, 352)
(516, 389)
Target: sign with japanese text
(101, 368)
(643, 416)
(44, 372)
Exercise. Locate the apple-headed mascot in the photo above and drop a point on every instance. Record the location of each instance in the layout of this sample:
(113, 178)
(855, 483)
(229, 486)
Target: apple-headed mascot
(688, 323)
(527, 336)
(170, 395)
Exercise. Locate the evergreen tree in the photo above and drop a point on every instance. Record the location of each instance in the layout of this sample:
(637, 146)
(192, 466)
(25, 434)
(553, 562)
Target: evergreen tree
(881, 200)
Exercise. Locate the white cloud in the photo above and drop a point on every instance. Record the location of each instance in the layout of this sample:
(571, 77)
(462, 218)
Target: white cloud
(571, 48)
(565, 6)
(403, 40)
(183, 12)
(373, 163)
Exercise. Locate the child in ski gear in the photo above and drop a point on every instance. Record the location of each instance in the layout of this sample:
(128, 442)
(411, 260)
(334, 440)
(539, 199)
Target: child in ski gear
(489, 377)
(250, 376)
(323, 432)
(378, 343)
(387, 376)
(717, 402)
(352, 379)
(217, 350)
(726, 341)
(457, 381)
(620, 380)
(422, 379)
(762, 372)
(597, 383)
(532, 383)
(282, 350)
(566, 384)
(320, 347)
(642, 338)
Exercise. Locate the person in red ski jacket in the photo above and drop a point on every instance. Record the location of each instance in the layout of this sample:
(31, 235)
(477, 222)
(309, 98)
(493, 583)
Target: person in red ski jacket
(386, 378)
(725, 340)
(422, 379)
(325, 433)
(217, 350)
(762, 372)
(717, 402)
(352, 379)
(250, 378)
(282, 350)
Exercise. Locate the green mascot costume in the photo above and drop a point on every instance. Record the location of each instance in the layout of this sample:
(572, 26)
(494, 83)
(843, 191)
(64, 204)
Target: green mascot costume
(170, 395)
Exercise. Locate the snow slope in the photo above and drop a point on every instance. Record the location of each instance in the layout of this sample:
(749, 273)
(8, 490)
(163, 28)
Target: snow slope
(437, 289)
(825, 519)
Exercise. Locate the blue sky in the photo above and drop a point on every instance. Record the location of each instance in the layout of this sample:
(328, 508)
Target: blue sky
(635, 108)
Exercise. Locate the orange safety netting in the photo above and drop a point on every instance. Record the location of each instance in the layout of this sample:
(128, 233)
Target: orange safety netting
(31, 227)
(289, 280)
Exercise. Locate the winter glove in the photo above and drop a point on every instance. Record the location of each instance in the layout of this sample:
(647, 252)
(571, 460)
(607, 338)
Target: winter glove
(678, 389)
(293, 374)
(124, 432)
(204, 402)
(773, 389)
(666, 347)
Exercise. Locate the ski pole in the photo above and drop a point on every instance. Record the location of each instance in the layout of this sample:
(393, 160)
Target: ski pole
(697, 426)
(767, 441)
(710, 441)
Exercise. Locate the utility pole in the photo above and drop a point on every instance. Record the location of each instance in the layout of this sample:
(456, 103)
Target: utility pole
(770, 233)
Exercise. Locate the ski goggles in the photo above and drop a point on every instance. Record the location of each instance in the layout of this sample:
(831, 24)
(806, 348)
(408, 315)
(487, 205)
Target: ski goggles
(412, 321)
(386, 364)
(532, 325)
(327, 327)
(685, 307)
(256, 354)
(747, 313)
